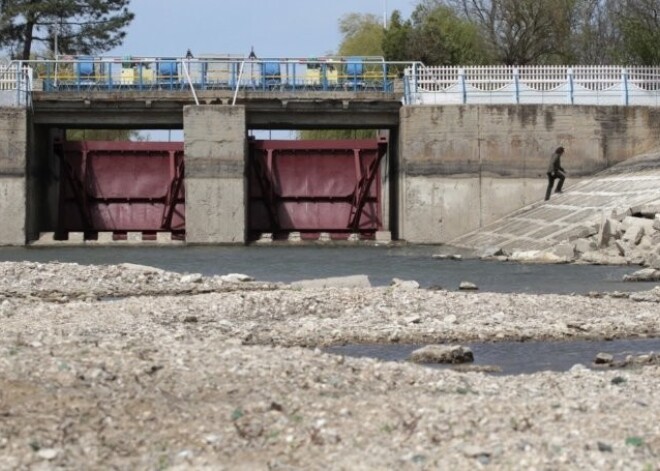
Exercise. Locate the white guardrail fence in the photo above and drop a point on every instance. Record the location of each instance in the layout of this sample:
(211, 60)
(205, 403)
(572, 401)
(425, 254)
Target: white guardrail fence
(15, 85)
(562, 85)
(421, 85)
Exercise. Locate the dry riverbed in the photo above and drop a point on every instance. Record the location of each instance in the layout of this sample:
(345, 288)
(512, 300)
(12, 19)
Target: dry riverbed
(134, 368)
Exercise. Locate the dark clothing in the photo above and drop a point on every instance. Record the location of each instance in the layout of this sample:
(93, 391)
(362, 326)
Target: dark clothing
(555, 172)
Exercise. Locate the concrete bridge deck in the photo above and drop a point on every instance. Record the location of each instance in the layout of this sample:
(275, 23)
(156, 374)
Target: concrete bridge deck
(573, 213)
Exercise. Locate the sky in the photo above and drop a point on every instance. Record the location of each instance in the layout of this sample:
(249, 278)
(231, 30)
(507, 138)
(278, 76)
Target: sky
(276, 28)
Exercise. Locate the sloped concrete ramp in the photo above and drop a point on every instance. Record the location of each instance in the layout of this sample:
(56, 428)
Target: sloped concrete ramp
(575, 213)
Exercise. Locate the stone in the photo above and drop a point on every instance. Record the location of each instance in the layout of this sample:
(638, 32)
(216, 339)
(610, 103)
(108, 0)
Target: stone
(584, 245)
(490, 252)
(353, 281)
(133, 236)
(324, 237)
(140, 268)
(604, 234)
(450, 319)
(236, 278)
(645, 274)
(446, 354)
(105, 237)
(656, 222)
(620, 247)
(631, 221)
(633, 235)
(536, 256)
(565, 251)
(467, 286)
(48, 453)
(404, 284)
(604, 358)
(192, 278)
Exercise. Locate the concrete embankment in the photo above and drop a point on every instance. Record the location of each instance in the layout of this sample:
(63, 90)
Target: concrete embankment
(608, 218)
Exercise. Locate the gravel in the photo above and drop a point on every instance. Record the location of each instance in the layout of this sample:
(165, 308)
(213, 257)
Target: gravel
(135, 368)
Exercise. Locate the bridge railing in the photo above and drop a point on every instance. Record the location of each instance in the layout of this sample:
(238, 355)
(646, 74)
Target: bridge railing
(15, 84)
(235, 73)
(573, 85)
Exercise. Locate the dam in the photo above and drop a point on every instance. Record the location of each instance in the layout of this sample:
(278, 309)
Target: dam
(457, 148)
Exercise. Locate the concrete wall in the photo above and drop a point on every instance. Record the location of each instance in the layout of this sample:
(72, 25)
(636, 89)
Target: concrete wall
(215, 148)
(13, 151)
(462, 167)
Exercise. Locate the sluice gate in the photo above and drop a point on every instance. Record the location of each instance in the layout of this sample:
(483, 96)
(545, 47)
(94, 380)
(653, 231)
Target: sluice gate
(121, 187)
(315, 186)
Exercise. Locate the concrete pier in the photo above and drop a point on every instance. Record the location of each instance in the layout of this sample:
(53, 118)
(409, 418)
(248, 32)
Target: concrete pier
(215, 147)
(13, 184)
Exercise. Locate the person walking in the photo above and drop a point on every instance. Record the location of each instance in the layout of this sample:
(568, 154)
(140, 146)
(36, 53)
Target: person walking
(555, 172)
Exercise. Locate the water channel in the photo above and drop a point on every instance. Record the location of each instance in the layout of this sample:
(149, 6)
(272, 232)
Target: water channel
(381, 264)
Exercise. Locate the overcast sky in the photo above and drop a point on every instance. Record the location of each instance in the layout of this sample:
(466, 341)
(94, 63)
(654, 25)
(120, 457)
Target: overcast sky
(276, 28)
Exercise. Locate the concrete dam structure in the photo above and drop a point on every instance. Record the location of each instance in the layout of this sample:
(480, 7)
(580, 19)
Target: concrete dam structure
(448, 169)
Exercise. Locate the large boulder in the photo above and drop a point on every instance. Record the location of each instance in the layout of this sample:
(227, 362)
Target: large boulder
(645, 274)
(447, 354)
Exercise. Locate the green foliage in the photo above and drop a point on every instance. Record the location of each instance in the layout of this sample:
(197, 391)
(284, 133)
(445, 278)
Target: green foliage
(639, 25)
(80, 26)
(362, 35)
(102, 135)
(440, 37)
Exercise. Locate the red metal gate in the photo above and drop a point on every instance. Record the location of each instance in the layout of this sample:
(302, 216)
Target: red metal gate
(311, 187)
(121, 187)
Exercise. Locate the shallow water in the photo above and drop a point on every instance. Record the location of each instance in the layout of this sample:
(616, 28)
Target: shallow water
(517, 357)
(381, 264)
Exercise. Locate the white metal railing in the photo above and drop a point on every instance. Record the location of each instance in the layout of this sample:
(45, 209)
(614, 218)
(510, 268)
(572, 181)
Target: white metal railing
(15, 84)
(574, 85)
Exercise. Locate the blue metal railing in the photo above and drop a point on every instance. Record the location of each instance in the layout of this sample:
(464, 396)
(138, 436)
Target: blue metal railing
(109, 74)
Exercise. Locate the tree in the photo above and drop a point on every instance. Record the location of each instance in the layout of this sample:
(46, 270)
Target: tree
(438, 36)
(639, 23)
(521, 31)
(362, 35)
(78, 26)
(103, 135)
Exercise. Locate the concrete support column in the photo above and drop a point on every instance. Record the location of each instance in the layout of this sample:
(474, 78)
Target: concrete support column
(13, 154)
(215, 149)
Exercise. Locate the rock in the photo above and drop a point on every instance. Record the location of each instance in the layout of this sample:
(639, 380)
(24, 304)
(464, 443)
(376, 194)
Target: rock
(584, 245)
(192, 278)
(404, 284)
(415, 319)
(656, 222)
(645, 274)
(648, 210)
(630, 221)
(604, 234)
(633, 235)
(490, 252)
(604, 359)
(141, 268)
(621, 248)
(565, 251)
(236, 278)
(450, 319)
(446, 256)
(353, 281)
(48, 453)
(536, 256)
(604, 447)
(467, 286)
(446, 354)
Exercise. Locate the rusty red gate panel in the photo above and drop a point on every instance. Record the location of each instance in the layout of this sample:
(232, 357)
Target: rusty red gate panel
(314, 186)
(121, 186)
